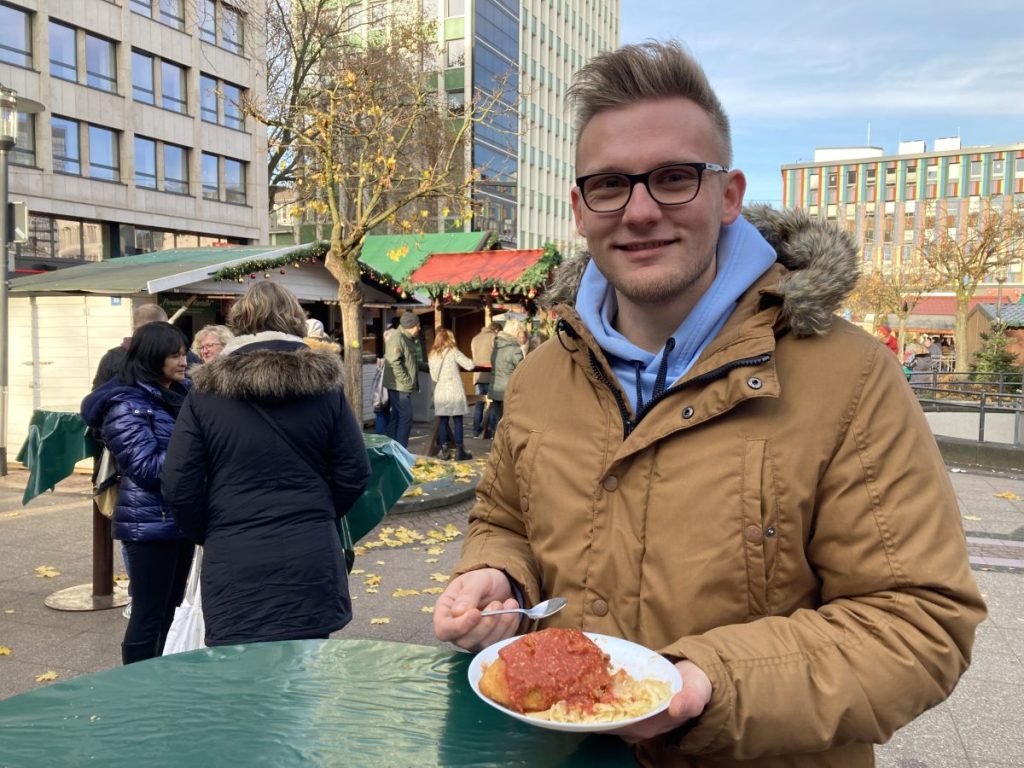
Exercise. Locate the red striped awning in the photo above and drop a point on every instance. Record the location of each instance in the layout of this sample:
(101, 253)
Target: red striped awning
(486, 266)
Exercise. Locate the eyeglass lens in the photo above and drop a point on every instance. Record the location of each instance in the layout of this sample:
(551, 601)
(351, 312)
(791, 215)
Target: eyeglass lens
(671, 185)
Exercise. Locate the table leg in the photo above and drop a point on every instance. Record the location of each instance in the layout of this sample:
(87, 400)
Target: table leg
(102, 593)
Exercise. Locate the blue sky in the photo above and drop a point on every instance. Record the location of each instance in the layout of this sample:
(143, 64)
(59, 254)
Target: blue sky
(802, 74)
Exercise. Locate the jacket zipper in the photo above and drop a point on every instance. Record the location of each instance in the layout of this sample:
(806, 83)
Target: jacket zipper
(628, 425)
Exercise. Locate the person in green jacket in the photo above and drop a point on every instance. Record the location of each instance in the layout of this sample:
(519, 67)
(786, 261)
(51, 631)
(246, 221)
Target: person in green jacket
(401, 364)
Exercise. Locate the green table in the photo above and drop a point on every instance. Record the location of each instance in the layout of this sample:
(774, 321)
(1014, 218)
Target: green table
(298, 703)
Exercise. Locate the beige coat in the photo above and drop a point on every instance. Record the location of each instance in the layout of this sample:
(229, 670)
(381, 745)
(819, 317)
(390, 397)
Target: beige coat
(781, 516)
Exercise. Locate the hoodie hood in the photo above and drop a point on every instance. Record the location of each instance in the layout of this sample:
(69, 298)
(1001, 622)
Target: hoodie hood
(820, 258)
(270, 366)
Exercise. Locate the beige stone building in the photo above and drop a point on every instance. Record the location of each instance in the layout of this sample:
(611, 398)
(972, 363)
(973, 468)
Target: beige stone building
(142, 145)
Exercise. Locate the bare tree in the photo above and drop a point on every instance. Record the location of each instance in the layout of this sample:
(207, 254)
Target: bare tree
(893, 291)
(375, 145)
(962, 257)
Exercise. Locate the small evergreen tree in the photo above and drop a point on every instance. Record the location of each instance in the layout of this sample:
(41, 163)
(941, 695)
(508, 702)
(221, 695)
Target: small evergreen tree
(995, 357)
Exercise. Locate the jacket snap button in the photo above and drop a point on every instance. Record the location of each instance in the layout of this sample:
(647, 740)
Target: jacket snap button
(688, 412)
(611, 483)
(769, 531)
(754, 383)
(524, 504)
(599, 607)
(753, 534)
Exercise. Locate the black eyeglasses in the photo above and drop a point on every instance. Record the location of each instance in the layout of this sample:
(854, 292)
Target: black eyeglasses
(674, 184)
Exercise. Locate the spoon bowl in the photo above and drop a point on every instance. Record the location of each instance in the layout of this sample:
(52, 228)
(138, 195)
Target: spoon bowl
(540, 611)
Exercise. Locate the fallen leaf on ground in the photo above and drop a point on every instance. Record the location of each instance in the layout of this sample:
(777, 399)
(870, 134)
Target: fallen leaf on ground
(427, 609)
(405, 592)
(435, 551)
(380, 621)
(11, 514)
(372, 590)
(378, 562)
(9, 610)
(47, 676)
(47, 572)
(430, 560)
(432, 590)
(971, 517)
(1008, 495)
(372, 580)
(357, 571)
(442, 577)
(4, 650)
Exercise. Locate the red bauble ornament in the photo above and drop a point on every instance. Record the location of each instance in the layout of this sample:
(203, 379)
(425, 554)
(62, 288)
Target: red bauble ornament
(252, 276)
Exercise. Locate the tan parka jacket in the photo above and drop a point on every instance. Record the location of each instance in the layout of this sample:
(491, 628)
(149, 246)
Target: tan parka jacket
(781, 516)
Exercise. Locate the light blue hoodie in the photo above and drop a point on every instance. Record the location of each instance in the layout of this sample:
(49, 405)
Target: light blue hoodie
(743, 256)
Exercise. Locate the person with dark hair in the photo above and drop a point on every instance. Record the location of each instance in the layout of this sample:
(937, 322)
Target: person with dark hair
(265, 458)
(401, 369)
(135, 413)
(113, 359)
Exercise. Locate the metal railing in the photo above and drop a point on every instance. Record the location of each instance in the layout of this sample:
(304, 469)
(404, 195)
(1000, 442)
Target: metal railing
(983, 394)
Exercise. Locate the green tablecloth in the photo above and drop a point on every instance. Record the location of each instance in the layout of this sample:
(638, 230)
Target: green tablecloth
(300, 703)
(58, 440)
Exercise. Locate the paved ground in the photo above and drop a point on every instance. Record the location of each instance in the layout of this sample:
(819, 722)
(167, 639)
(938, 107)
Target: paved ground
(46, 547)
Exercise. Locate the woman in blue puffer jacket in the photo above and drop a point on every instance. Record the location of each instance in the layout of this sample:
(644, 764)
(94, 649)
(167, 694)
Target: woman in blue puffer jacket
(135, 413)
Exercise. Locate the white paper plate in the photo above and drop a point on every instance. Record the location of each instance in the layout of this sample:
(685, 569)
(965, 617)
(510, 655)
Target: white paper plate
(638, 661)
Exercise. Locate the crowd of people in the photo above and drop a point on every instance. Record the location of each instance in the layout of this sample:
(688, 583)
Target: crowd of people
(667, 463)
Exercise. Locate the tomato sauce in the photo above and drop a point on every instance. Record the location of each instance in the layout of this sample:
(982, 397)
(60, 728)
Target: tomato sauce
(560, 664)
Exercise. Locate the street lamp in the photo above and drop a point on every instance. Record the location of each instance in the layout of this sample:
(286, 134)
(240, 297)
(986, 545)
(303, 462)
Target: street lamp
(10, 105)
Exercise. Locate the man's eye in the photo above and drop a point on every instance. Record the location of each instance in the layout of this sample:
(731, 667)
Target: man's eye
(610, 182)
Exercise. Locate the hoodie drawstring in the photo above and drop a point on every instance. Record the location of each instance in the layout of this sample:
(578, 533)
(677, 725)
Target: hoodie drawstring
(659, 380)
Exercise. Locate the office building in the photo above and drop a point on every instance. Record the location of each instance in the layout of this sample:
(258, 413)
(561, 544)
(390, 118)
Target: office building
(142, 145)
(890, 202)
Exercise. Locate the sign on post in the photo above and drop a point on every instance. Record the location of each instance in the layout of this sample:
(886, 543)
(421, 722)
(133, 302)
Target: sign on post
(17, 222)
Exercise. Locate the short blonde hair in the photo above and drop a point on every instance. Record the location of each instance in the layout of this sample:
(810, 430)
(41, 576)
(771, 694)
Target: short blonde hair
(267, 306)
(221, 333)
(513, 328)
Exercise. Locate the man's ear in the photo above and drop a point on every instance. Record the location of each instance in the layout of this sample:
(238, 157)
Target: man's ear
(577, 210)
(732, 196)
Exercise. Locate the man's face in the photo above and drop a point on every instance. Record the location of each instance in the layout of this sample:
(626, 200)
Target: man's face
(651, 253)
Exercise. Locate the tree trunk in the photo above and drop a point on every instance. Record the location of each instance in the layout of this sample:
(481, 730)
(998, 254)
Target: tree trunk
(961, 363)
(344, 266)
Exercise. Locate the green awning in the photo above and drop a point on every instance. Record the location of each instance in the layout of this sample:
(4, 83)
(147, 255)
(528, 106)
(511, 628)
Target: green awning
(398, 256)
(145, 272)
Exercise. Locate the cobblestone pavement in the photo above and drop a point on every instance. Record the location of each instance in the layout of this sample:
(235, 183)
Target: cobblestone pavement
(46, 546)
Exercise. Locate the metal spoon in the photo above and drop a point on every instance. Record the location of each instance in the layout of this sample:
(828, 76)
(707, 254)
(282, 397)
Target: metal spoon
(539, 611)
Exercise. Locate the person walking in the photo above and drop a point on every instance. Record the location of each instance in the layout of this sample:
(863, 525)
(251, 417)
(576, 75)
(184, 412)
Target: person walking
(444, 361)
(266, 457)
(506, 356)
(135, 412)
(401, 368)
(712, 463)
(481, 347)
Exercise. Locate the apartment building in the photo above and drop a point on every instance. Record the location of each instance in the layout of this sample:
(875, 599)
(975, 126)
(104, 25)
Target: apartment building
(527, 153)
(890, 201)
(142, 145)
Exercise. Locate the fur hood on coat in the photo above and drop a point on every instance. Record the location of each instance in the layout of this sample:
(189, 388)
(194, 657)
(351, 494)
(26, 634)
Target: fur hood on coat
(821, 258)
(270, 366)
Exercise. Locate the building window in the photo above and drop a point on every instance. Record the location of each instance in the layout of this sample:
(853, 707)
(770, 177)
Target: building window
(231, 30)
(232, 106)
(145, 163)
(456, 7)
(24, 152)
(211, 176)
(455, 53)
(100, 66)
(103, 155)
(172, 87)
(67, 157)
(975, 169)
(851, 178)
(142, 78)
(208, 98)
(234, 181)
(932, 174)
(172, 13)
(142, 7)
(1018, 167)
(63, 53)
(175, 169)
(15, 36)
(998, 167)
(207, 13)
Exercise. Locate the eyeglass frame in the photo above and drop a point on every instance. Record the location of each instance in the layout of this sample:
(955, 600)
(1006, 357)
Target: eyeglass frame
(645, 178)
(210, 345)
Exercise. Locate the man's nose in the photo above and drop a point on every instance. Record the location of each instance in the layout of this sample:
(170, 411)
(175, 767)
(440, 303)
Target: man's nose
(641, 206)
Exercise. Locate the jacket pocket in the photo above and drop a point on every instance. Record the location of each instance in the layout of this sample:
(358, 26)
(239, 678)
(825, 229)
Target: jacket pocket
(760, 528)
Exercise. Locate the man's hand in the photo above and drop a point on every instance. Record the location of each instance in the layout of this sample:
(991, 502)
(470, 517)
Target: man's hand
(457, 616)
(685, 705)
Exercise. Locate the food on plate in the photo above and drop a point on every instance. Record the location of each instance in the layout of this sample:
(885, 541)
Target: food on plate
(562, 675)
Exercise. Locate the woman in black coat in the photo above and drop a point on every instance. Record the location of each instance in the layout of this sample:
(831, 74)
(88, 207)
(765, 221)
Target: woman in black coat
(265, 456)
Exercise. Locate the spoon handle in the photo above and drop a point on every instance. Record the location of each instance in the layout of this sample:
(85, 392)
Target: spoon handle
(506, 610)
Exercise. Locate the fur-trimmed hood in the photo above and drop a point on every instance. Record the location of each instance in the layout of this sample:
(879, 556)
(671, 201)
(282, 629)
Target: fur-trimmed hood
(821, 258)
(270, 366)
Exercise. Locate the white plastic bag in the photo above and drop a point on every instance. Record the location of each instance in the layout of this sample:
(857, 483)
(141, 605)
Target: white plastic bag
(188, 630)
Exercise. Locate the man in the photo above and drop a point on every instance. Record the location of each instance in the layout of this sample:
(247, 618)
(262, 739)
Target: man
(401, 365)
(711, 464)
(481, 347)
(113, 359)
